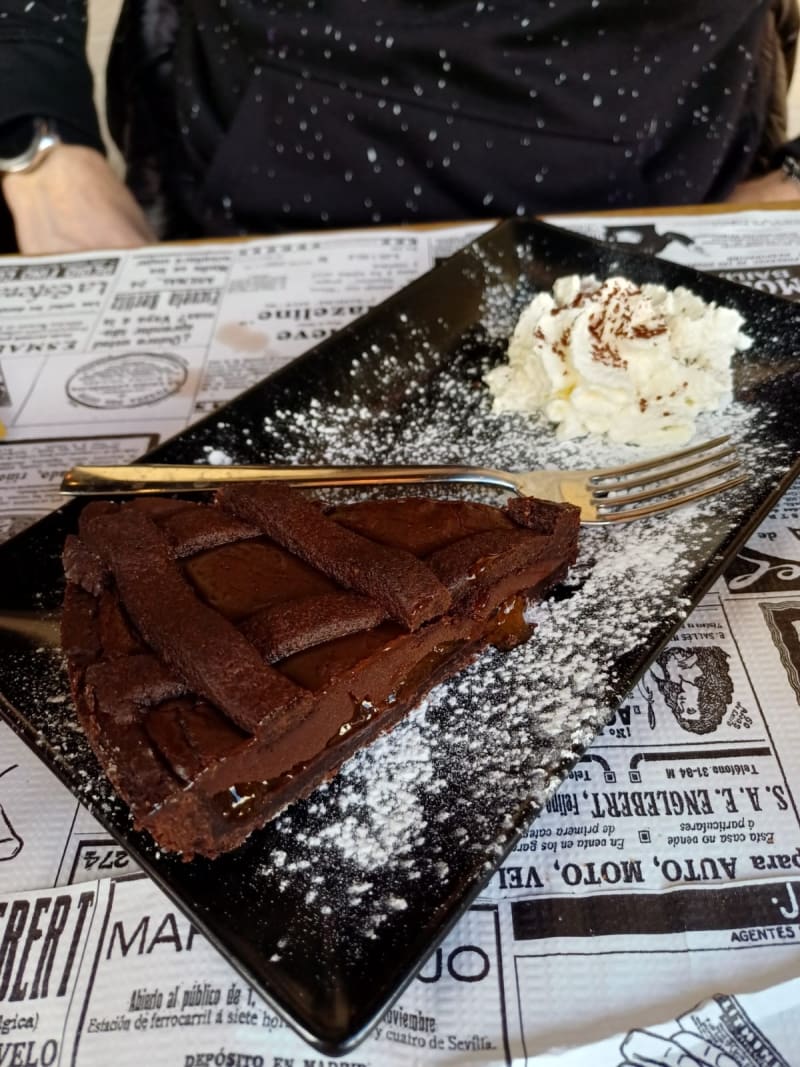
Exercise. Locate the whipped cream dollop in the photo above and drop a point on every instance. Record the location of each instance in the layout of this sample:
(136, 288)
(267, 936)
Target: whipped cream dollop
(635, 363)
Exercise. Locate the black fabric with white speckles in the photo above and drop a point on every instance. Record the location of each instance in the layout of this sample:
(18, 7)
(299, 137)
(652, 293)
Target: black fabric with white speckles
(355, 112)
(265, 116)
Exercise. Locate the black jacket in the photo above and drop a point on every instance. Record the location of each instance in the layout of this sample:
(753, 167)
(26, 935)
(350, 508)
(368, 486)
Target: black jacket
(250, 115)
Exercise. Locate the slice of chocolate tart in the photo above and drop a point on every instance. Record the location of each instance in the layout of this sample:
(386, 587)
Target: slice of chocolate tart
(226, 658)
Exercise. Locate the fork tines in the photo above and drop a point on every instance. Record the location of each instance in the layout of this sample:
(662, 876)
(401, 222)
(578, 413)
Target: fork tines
(667, 481)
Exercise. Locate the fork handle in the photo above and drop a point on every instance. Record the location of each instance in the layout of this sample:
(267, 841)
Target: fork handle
(163, 478)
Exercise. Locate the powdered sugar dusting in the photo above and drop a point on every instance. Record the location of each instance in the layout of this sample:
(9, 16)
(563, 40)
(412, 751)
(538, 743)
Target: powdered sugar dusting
(453, 778)
(426, 809)
(379, 817)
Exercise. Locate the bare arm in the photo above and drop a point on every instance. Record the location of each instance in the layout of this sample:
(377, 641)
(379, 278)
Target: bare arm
(72, 201)
(772, 187)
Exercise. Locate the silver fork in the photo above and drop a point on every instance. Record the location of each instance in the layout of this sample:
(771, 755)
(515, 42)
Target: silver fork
(616, 494)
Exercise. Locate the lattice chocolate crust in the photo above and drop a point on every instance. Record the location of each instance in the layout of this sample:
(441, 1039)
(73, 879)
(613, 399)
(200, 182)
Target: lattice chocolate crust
(225, 659)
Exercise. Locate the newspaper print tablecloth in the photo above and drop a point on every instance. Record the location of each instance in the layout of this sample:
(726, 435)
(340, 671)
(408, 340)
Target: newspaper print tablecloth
(651, 913)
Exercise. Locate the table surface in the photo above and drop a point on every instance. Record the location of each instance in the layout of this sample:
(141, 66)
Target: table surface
(498, 988)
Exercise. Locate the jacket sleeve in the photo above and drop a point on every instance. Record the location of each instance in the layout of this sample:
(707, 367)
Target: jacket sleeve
(43, 66)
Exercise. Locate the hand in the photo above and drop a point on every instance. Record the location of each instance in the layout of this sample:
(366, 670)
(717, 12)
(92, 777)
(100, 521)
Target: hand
(10, 841)
(771, 187)
(73, 201)
(643, 1049)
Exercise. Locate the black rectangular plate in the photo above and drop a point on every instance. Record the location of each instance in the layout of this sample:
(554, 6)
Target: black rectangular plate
(306, 952)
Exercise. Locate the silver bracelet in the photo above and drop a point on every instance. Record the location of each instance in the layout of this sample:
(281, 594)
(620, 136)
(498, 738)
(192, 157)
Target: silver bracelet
(44, 139)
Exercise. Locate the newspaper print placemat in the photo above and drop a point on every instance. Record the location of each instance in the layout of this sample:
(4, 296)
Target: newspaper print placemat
(652, 912)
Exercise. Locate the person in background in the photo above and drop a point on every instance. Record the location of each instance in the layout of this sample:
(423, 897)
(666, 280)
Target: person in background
(251, 116)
